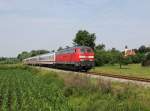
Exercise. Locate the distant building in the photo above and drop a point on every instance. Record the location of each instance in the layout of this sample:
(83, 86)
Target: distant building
(129, 52)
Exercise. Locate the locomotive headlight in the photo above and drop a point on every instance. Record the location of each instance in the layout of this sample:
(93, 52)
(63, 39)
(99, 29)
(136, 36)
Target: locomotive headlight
(81, 57)
(90, 57)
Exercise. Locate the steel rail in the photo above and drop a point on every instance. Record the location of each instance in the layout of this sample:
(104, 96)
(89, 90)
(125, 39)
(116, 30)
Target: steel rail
(117, 76)
(133, 78)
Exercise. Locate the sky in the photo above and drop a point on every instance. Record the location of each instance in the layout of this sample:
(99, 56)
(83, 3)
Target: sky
(27, 25)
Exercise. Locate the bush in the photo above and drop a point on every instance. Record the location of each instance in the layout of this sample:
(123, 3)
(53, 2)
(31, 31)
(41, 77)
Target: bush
(146, 60)
(106, 57)
(137, 58)
(99, 58)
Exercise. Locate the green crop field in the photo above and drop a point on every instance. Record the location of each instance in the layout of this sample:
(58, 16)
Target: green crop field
(22, 89)
(130, 70)
(25, 88)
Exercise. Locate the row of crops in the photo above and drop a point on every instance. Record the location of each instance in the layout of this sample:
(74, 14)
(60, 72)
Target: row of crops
(22, 90)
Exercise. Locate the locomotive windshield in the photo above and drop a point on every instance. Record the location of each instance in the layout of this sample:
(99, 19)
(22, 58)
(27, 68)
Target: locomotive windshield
(89, 50)
(84, 50)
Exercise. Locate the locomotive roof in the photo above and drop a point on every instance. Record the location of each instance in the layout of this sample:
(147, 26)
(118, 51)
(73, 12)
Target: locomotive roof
(76, 47)
(70, 49)
(82, 47)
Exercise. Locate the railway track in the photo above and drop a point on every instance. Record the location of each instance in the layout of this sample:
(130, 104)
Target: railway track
(106, 75)
(132, 78)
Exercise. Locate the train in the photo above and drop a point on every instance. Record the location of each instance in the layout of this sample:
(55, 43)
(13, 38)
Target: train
(78, 58)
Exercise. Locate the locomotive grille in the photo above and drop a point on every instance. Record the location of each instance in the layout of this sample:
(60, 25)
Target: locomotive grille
(87, 63)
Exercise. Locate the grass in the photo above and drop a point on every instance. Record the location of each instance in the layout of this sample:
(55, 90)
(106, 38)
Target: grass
(24, 88)
(129, 70)
(104, 95)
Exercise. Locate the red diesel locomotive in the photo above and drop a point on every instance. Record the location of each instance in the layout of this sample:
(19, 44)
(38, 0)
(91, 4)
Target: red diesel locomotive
(74, 58)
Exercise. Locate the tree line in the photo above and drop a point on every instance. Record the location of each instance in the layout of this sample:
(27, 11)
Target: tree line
(102, 55)
(8, 60)
(32, 53)
(111, 56)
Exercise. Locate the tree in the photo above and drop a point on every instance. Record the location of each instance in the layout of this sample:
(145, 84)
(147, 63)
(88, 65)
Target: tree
(38, 52)
(26, 54)
(148, 49)
(100, 57)
(67, 46)
(23, 55)
(103, 56)
(142, 49)
(60, 48)
(84, 38)
(120, 60)
(53, 51)
(100, 47)
(146, 60)
(114, 56)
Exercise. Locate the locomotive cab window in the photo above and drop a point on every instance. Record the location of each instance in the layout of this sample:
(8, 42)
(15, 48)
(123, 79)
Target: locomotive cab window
(89, 50)
(82, 50)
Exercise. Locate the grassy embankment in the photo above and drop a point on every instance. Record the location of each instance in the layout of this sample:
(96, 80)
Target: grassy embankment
(26, 89)
(129, 70)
